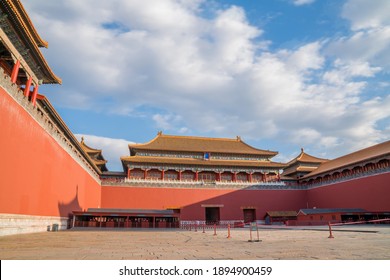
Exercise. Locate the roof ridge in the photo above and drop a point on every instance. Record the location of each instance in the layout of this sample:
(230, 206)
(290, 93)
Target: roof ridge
(269, 151)
(201, 137)
(147, 143)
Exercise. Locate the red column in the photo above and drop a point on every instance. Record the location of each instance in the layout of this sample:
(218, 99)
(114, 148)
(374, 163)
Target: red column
(196, 176)
(15, 72)
(179, 175)
(250, 177)
(34, 95)
(162, 174)
(27, 88)
(128, 173)
(145, 173)
(234, 176)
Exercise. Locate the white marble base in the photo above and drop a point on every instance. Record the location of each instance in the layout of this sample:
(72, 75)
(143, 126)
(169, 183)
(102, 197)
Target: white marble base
(17, 224)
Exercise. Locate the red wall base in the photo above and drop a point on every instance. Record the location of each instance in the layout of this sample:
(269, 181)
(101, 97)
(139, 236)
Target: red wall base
(193, 201)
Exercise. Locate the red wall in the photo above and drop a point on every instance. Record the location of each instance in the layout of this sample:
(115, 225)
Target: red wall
(37, 176)
(191, 200)
(370, 193)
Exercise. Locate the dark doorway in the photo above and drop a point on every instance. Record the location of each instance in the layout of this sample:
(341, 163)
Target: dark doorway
(249, 215)
(212, 215)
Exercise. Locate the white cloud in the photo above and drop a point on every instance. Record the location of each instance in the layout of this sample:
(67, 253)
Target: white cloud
(216, 74)
(112, 149)
(306, 57)
(169, 122)
(367, 14)
(370, 46)
(370, 38)
(302, 2)
(342, 71)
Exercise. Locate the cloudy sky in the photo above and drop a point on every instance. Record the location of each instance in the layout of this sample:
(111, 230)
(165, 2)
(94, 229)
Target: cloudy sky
(282, 74)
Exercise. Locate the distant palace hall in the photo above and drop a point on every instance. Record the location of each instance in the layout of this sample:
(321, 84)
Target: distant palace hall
(50, 180)
(200, 159)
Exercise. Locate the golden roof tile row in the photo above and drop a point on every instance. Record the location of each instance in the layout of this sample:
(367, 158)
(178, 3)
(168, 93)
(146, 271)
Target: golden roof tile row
(200, 144)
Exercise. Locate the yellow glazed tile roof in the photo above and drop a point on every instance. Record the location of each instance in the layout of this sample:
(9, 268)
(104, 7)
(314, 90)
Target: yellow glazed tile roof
(201, 144)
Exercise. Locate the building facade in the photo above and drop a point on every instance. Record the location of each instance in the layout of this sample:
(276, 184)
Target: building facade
(194, 159)
(49, 177)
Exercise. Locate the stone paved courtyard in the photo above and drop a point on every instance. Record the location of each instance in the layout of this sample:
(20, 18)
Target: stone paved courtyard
(352, 243)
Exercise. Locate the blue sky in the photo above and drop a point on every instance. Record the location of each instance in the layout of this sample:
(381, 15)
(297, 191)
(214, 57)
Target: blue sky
(282, 74)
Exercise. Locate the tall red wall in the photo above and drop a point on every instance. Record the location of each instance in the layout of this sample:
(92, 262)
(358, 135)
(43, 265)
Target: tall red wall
(37, 176)
(370, 193)
(191, 200)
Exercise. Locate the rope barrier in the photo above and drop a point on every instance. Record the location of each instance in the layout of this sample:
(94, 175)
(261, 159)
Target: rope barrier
(197, 227)
(353, 223)
(214, 227)
(361, 222)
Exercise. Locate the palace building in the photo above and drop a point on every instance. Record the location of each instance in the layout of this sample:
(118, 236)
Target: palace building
(208, 160)
(49, 178)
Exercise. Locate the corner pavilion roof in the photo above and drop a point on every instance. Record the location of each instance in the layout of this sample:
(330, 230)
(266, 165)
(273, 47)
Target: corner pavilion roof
(21, 24)
(89, 149)
(95, 155)
(200, 144)
(302, 159)
(305, 157)
(372, 152)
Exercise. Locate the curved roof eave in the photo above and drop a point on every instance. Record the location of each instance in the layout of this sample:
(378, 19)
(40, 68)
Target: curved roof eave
(31, 38)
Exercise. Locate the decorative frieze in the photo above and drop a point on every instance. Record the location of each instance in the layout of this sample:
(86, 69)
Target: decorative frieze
(194, 155)
(339, 177)
(216, 169)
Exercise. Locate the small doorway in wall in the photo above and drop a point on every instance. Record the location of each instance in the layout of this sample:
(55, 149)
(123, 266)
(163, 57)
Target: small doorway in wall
(212, 215)
(249, 215)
